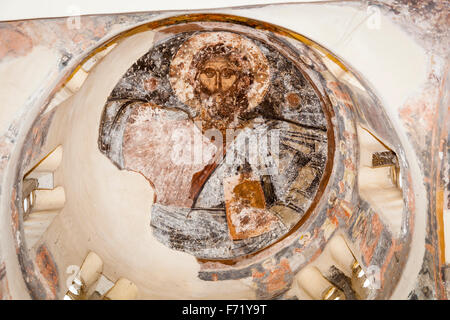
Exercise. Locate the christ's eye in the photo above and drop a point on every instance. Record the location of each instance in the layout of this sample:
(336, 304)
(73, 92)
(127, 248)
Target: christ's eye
(228, 73)
(209, 72)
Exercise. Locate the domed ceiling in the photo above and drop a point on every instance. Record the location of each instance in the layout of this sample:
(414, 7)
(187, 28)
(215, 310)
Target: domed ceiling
(231, 155)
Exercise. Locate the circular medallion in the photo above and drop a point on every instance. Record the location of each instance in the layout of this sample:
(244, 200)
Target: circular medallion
(211, 68)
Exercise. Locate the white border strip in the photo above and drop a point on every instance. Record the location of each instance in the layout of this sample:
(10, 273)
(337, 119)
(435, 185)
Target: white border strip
(30, 9)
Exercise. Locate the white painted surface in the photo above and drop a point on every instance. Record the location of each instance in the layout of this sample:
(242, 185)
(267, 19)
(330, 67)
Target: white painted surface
(30, 9)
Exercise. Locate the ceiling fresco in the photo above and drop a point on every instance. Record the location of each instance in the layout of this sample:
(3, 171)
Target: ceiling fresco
(229, 133)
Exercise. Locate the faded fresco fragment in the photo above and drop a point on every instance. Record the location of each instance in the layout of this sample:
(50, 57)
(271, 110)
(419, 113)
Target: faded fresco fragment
(228, 131)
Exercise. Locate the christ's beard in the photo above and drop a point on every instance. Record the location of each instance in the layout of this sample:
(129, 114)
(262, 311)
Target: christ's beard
(219, 106)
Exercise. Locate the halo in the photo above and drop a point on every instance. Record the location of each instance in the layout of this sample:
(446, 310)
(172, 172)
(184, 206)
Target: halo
(182, 72)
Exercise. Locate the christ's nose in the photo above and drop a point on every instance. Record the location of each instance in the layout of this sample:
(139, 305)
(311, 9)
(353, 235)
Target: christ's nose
(216, 82)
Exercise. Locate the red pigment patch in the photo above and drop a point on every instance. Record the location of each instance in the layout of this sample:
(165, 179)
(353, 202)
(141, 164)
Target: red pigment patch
(374, 233)
(395, 247)
(14, 212)
(276, 280)
(47, 268)
(14, 43)
(339, 93)
(293, 99)
(150, 84)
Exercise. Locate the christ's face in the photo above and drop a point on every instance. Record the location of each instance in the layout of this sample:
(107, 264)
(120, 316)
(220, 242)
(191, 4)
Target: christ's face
(220, 75)
(217, 76)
